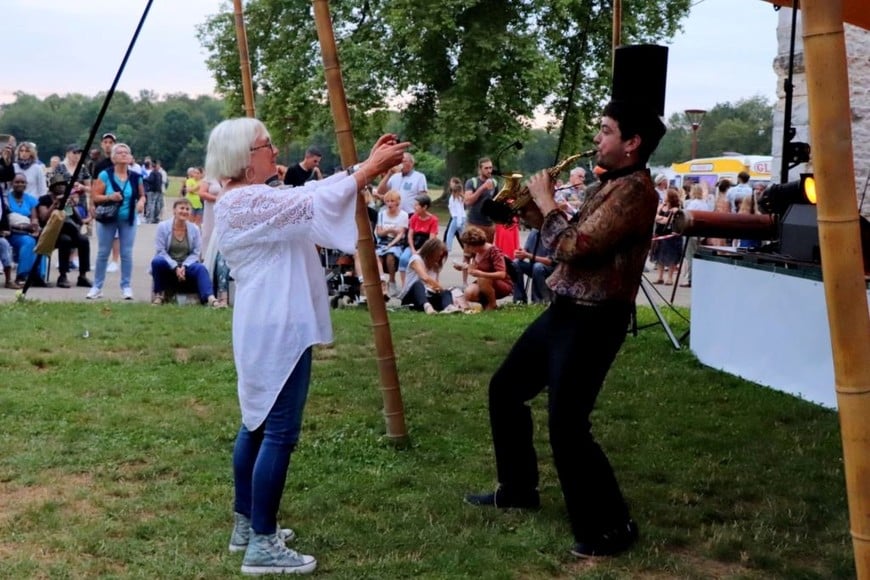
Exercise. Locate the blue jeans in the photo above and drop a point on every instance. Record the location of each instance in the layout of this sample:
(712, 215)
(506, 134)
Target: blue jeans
(539, 273)
(261, 458)
(105, 236)
(25, 246)
(5, 253)
(196, 276)
(405, 259)
(417, 297)
(454, 230)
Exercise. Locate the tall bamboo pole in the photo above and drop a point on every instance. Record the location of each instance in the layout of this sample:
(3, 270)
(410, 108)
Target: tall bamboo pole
(840, 240)
(394, 411)
(244, 59)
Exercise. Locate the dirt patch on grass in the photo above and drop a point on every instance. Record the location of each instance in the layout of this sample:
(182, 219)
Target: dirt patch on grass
(64, 490)
(182, 355)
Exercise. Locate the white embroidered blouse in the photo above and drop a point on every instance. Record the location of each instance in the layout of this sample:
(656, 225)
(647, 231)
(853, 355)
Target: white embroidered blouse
(267, 236)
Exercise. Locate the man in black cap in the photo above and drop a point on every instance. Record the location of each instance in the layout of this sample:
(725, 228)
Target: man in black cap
(70, 237)
(107, 141)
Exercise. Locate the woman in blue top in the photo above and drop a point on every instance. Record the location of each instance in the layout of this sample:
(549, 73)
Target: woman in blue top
(117, 185)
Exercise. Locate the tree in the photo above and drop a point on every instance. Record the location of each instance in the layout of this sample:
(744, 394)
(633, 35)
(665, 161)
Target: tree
(468, 74)
(744, 127)
(162, 127)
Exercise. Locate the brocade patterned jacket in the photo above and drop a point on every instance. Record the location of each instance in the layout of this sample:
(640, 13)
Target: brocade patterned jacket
(602, 250)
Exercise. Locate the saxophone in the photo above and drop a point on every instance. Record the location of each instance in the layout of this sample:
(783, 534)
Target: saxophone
(514, 196)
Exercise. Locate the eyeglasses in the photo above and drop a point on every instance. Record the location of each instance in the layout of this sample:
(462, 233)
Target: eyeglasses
(268, 144)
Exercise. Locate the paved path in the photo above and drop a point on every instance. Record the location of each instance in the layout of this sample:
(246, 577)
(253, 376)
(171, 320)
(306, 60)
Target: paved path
(143, 252)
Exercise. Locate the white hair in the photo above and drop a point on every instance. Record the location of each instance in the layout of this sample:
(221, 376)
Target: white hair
(578, 171)
(229, 147)
(117, 146)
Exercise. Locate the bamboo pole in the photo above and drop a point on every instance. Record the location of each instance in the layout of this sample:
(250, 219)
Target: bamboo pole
(394, 412)
(842, 267)
(244, 59)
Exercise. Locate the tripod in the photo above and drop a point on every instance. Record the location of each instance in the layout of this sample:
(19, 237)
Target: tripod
(645, 287)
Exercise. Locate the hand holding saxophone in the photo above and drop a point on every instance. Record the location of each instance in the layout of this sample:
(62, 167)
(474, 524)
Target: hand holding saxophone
(542, 191)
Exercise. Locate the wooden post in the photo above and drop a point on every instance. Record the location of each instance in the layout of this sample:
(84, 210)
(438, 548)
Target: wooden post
(244, 59)
(842, 267)
(394, 411)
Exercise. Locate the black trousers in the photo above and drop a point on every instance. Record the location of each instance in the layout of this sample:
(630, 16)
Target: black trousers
(417, 297)
(569, 349)
(71, 238)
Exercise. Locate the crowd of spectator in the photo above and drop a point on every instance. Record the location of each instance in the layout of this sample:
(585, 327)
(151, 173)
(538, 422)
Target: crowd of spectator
(496, 263)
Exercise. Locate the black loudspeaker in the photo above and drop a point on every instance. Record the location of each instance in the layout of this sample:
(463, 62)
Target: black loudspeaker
(640, 75)
(865, 244)
(799, 239)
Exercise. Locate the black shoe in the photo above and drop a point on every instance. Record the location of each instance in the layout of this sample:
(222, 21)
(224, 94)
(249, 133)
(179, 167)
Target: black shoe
(62, 282)
(501, 499)
(611, 543)
(83, 282)
(39, 283)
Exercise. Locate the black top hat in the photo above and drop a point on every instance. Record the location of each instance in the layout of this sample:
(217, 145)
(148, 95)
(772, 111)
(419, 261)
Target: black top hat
(640, 73)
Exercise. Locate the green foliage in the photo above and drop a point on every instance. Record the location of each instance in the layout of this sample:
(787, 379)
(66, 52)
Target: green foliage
(164, 128)
(468, 75)
(745, 127)
(116, 456)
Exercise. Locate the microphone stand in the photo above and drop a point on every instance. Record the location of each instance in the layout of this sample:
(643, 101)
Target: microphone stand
(516, 145)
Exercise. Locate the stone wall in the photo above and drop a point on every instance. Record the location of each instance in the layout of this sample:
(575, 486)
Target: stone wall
(858, 55)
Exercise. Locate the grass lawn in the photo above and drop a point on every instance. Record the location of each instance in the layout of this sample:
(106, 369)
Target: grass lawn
(118, 423)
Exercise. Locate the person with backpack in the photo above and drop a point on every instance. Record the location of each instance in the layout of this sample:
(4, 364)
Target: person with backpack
(118, 195)
(477, 190)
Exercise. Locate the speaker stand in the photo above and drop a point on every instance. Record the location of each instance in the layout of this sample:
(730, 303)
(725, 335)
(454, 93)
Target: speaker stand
(645, 287)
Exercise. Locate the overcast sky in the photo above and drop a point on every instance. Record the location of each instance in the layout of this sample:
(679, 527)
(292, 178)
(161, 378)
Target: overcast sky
(724, 53)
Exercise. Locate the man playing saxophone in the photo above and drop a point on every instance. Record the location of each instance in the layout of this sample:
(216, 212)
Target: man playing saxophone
(570, 347)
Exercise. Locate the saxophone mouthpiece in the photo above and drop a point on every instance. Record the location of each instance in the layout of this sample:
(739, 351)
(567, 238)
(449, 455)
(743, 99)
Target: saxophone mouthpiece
(589, 153)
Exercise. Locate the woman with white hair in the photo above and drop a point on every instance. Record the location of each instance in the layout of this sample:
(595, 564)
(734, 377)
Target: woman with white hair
(267, 236)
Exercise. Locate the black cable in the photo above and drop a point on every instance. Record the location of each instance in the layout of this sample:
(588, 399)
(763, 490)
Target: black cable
(34, 272)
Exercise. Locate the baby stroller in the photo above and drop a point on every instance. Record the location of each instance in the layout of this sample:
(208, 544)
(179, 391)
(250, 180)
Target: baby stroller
(341, 282)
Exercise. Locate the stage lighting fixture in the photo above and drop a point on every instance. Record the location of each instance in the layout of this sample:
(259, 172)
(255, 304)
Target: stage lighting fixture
(808, 187)
(778, 197)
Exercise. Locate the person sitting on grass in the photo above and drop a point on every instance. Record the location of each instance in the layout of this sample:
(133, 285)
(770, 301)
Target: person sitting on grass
(176, 265)
(422, 290)
(488, 266)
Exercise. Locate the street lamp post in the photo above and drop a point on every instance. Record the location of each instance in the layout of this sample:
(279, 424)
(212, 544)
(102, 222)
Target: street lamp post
(695, 117)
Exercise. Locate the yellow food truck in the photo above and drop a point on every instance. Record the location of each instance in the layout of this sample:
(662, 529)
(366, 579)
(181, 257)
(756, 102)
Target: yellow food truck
(710, 170)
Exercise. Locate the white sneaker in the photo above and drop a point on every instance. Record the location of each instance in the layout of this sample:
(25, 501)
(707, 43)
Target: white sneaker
(451, 308)
(94, 293)
(127, 293)
(428, 308)
(112, 267)
(266, 554)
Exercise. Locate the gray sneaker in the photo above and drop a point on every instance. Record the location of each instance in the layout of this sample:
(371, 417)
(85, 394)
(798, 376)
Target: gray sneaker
(242, 533)
(266, 554)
